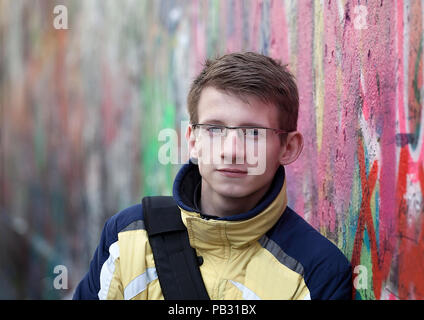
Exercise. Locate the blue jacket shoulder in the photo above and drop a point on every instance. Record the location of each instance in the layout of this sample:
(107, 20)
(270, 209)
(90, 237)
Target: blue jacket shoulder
(89, 286)
(124, 218)
(326, 270)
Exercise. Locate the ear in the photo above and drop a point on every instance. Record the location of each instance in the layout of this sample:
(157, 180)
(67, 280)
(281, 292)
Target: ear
(191, 140)
(292, 148)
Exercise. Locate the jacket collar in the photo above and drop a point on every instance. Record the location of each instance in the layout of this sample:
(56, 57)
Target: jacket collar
(237, 230)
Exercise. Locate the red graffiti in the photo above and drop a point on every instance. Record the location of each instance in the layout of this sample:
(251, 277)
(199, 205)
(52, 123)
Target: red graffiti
(411, 237)
(365, 219)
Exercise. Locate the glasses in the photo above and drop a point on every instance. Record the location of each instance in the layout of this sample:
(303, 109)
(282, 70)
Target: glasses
(249, 132)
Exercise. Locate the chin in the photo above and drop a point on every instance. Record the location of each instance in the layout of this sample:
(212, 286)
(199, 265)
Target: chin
(234, 191)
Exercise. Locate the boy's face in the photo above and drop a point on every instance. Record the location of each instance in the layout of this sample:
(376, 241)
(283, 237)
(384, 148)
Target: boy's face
(232, 151)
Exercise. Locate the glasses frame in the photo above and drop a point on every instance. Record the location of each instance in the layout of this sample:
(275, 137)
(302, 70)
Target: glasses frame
(277, 131)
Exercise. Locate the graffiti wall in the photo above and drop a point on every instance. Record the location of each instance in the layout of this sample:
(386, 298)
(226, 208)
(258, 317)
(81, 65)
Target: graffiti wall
(86, 87)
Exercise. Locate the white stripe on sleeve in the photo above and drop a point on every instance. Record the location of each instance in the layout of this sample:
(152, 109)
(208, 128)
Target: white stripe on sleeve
(108, 268)
(139, 284)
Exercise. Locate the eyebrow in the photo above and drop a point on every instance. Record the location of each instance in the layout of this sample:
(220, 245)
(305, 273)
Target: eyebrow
(250, 124)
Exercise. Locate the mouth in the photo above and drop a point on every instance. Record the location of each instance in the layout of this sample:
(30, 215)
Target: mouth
(232, 173)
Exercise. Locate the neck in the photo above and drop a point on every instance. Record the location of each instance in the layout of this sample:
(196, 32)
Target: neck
(215, 204)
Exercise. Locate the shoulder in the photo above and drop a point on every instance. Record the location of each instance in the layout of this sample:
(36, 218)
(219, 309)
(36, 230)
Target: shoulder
(96, 282)
(318, 260)
(126, 219)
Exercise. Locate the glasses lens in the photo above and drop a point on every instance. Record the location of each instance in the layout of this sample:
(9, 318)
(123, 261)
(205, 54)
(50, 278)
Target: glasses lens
(215, 131)
(209, 131)
(254, 133)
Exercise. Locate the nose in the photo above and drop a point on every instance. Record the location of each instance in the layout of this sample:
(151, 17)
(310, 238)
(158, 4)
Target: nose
(232, 151)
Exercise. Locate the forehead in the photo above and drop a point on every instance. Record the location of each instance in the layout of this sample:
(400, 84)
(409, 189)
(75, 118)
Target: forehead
(217, 106)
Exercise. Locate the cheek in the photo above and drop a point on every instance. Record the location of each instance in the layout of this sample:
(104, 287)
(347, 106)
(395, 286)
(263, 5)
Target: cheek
(205, 170)
(273, 151)
(267, 152)
(203, 148)
(270, 161)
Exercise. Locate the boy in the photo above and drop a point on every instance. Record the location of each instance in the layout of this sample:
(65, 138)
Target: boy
(242, 107)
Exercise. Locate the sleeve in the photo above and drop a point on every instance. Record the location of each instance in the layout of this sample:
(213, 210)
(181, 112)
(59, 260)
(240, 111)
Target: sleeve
(337, 287)
(341, 286)
(102, 281)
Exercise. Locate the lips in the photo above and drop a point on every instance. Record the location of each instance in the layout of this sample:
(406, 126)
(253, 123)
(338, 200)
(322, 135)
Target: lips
(232, 172)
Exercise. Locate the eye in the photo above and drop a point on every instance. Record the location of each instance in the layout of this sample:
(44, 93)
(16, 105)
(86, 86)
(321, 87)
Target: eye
(251, 132)
(215, 130)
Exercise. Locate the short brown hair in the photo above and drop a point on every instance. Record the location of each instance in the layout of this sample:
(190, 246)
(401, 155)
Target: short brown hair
(249, 74)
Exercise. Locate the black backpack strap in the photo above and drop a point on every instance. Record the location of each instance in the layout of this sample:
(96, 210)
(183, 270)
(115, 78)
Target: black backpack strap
(176, 261)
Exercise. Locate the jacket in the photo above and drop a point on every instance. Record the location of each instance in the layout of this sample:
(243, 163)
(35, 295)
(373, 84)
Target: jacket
(269, 252)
